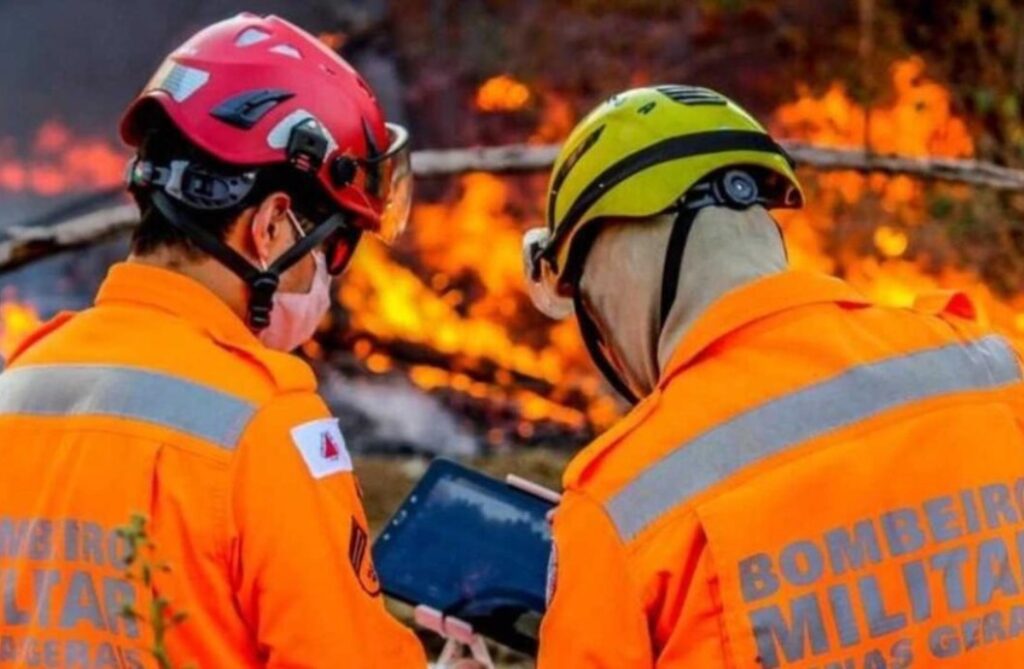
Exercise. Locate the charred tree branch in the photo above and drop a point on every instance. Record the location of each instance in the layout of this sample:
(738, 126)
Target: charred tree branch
(523, 158)
(501, 159)
(24, 244)
(951, 170)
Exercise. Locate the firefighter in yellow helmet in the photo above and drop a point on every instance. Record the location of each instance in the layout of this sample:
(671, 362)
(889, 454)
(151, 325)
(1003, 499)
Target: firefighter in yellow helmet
(663, 156)
(784, 491)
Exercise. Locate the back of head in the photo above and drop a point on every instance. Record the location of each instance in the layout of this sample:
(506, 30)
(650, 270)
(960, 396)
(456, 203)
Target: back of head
(163, 143)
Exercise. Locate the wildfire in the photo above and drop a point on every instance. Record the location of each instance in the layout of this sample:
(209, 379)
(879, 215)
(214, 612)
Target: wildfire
(457, 291)
(467, 303)
(876, 257)
(502, 94)
(460, 292)
(17, 320)
(919, 121)
(558, 117)
(60, 162)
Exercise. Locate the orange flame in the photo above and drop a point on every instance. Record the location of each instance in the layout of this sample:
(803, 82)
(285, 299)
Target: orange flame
(471, 307)
(890, 241)
(462, 294)
(502, 94)
(465, 297)
(558, 117)
(918, 121)
(333, 41)
(17, 321)
(60, 162)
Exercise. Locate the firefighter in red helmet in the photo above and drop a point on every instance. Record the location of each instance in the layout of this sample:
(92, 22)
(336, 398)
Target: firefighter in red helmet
(261, 159)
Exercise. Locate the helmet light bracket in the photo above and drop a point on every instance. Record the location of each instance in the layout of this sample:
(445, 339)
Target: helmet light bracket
(732, 188)
(307, 147)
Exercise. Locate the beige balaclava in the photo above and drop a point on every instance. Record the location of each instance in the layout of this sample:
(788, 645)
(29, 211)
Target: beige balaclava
(622, 282)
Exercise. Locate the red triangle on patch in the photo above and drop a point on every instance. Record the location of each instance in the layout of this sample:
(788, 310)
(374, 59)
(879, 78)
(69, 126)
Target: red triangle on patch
(329, 448)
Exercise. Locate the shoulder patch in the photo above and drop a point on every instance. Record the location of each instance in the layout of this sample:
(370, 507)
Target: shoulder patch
(322, 447)
(946, 302)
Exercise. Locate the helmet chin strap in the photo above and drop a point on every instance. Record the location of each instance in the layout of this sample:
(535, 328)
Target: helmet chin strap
(262, 283)
(592, 338)
(673, 263)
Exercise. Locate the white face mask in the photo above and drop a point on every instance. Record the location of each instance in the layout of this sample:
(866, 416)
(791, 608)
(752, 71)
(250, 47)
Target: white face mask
(295, 316)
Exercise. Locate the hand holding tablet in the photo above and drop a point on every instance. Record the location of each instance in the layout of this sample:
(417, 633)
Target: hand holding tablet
(473, 548)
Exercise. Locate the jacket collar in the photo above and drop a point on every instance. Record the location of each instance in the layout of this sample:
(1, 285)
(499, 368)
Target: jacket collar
(753, 302)
(178, 295)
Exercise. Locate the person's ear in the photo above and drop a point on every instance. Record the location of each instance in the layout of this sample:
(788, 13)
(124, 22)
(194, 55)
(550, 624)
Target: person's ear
(270, 228)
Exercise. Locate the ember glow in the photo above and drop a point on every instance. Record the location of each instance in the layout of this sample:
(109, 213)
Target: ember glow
(59, 162)
(502, 94)
(17, 320)
(333, 41)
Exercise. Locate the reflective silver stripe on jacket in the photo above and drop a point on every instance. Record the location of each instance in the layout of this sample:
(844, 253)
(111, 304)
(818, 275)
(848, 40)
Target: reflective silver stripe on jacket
(125, 392)
(851, 397)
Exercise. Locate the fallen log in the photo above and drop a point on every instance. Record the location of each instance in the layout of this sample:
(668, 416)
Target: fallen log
(24, 244)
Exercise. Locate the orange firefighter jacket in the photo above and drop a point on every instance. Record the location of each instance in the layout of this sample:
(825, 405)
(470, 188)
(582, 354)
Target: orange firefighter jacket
(817, 482)
(158, 400)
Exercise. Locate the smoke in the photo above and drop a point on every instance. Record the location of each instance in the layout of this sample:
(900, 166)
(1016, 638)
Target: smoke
(388, 414)
(83, 60)
(80, 62)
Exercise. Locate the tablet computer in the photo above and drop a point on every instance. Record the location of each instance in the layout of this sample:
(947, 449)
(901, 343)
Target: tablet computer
(472, 547)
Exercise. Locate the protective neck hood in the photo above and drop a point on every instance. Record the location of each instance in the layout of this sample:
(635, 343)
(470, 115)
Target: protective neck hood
(622, 282)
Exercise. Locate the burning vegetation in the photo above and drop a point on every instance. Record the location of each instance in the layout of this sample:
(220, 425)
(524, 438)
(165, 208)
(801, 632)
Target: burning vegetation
(58, 162)
(880, 232)
(446, 310)
(502, 93)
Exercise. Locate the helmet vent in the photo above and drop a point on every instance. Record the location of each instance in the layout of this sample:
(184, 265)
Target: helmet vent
(251, 36)
(692, 95)
(245, 110)
(287, 50)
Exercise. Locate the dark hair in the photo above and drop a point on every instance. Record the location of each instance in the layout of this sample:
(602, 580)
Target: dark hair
(162, 142)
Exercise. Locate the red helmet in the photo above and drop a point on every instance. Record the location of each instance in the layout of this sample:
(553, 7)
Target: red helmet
(240, 88)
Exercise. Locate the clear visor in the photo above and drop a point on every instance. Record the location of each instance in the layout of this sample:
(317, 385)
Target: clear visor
(390, 183)
(541, 282)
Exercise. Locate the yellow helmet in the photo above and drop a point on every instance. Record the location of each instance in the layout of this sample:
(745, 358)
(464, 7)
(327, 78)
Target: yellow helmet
(640, 152)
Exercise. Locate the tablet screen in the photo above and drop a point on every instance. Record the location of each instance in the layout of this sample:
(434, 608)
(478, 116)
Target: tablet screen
(471, 547)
